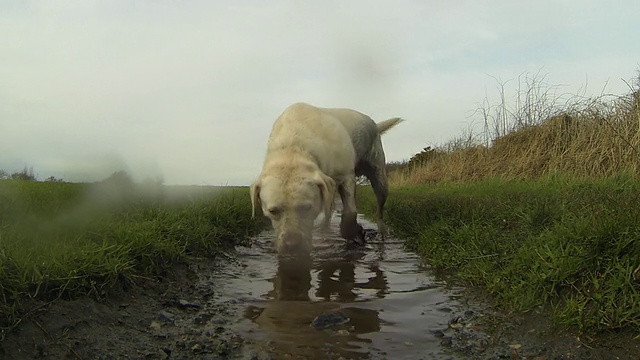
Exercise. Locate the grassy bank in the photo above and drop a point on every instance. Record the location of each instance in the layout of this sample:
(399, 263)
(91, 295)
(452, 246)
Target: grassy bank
(62, 239)
(536, 133)
(573, 245)
(540, 207)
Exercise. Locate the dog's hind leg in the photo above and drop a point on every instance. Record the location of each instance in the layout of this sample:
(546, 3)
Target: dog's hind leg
(349, 227)
(376, 172)
(380, 188)
(378, 182)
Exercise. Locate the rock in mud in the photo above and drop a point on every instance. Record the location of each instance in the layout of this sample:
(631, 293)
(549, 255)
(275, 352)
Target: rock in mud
(437, 332)
(162, 354)
(154, 325)
(186, 304)
(167, 316)
(328, 320)
(369, 234)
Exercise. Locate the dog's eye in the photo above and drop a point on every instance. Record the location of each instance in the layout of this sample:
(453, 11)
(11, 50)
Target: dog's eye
(304, 208)
(275, 211)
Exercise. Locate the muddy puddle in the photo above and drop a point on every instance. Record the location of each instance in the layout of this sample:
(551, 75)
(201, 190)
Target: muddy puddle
(393, 306)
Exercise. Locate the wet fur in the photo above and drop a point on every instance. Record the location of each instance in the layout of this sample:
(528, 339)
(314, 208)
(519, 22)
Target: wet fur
(328, 147)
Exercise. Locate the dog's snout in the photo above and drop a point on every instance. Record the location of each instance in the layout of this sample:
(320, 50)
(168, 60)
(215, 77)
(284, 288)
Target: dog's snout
(293, 242)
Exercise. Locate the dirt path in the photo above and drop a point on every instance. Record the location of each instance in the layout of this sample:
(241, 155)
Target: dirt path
(250, 306)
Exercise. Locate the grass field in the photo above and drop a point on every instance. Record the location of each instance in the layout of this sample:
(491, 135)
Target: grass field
(65, 240)
(571, 245)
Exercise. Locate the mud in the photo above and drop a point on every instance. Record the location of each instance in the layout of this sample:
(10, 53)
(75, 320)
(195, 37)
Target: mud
(249, 305)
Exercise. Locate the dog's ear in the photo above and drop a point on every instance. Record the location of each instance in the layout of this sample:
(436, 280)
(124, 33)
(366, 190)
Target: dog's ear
(255, 197)
(328, 190)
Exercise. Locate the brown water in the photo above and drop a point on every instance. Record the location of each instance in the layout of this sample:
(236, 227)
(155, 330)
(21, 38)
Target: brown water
(394, 303)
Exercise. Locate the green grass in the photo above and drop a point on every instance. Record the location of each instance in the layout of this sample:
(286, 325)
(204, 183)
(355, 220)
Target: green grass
(61, 239)
(569, 245)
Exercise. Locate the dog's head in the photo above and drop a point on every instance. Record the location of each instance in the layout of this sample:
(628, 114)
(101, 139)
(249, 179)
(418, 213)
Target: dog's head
(292, 199)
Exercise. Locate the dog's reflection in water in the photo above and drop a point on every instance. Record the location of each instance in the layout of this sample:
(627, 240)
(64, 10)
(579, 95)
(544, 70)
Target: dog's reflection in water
(336, 280)
(286, 318)
(293, 279)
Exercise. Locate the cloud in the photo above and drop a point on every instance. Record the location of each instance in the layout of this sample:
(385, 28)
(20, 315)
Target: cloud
(190, 89)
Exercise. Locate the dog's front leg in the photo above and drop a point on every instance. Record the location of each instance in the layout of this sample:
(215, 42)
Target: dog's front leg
(349, 227)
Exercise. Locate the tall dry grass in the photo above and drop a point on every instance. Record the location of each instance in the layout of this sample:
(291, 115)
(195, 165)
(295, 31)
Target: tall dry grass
(539, 132)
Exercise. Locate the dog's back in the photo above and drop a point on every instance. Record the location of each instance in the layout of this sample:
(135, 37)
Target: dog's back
(336, 137)
(363, 130)
(306, 128)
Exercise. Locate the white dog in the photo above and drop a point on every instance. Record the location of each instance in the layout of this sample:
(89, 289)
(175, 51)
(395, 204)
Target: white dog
(312, 151)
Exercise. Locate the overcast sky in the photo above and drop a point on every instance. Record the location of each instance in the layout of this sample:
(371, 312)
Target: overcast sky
(188, 90)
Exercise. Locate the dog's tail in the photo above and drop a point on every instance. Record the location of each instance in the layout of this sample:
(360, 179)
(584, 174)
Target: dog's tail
(383, 126)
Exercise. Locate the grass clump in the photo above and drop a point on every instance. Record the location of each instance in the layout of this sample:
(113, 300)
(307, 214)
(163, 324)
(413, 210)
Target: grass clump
(62, 239)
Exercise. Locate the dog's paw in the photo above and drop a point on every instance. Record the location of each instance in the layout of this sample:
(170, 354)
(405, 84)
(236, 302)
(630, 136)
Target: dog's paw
(361, 236)
(382, 229)
(371, 234)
